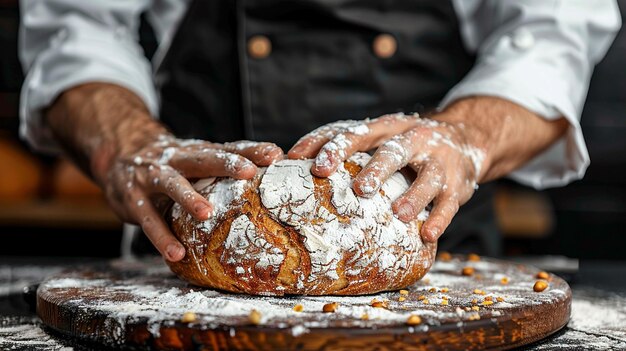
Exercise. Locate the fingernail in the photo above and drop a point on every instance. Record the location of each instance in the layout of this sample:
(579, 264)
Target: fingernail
(405, 212)
(369, 186)
(202, 209)
(246, 166)
(267, 150)
(273, 153)
(174, 252)
(322, 161)
(434, 233)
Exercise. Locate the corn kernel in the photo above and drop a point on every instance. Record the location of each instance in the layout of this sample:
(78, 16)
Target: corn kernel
(330, 307)
(414, 320)
(540, 286)
(188, 317)
(444, 256)
(467, 271)
(473, 257)
(543, 275)
(255, 317)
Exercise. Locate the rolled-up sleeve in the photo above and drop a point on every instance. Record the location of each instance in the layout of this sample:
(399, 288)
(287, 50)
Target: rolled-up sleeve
(539, 54)
(64, 43)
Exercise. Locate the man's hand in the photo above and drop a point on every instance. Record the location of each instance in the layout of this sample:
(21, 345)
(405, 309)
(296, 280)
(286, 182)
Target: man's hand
(109, 133)
(447, 165)
(474, 140)
(138, 183)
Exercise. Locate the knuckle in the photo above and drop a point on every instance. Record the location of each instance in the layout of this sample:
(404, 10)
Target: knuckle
(386, 118)
(418, 200)
(433, 170)
(450, 208)
(420, 133)
(392, 118)
(307, 139)
(420, 194)
(434, 167)
(169, 184)
(154, 171)
(439, 181)
(339, 144)
(323, 132)
(396, 149)
(147, 223)
(232, 163)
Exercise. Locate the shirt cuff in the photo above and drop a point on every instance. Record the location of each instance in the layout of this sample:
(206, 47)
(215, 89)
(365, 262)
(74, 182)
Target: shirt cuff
(544, 93)
(75, 59)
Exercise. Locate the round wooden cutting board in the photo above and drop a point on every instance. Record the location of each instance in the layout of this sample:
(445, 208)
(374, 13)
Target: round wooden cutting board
(141, 305)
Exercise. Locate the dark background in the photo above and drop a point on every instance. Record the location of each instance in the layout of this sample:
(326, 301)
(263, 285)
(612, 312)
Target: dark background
(48, 208)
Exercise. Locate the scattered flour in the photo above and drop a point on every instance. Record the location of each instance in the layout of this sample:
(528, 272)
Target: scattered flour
(29, 336)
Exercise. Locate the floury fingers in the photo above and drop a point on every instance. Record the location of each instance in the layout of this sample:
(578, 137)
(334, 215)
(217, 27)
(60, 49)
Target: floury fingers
(446, 164)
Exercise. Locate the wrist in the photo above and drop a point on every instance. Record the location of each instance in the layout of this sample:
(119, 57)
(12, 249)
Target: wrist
(509, 134)
(99, 122)
(477, 132)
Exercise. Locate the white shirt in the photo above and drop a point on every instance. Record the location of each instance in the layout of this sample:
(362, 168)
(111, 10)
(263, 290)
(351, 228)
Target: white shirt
(537, 53)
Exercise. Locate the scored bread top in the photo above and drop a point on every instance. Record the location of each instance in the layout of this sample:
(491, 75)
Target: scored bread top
(289, 232)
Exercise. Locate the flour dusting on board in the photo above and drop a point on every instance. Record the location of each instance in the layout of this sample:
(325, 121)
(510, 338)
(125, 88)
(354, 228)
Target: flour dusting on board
(442, 297)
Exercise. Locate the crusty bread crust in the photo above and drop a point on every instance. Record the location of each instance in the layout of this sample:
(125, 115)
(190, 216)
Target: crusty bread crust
(246, 248)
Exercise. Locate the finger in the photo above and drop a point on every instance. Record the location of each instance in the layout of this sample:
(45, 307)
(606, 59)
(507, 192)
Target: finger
(440, 217)
(262, 154)
(345, 144)
(389, 157)
(309, 145)
(178, 188)
(211, 162)
(425, 188)
(386, 126)
(334, 152)
(373, 132)
(158, 232)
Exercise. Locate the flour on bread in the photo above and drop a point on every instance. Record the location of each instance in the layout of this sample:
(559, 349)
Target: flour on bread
(328, 239)
(287, 190)
(245, 243)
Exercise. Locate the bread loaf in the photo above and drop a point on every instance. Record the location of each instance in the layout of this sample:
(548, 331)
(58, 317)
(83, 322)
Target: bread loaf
(289, 232)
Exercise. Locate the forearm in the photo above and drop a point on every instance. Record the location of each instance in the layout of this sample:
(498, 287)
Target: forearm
(509, 134)
(95, 122)
(139, 164)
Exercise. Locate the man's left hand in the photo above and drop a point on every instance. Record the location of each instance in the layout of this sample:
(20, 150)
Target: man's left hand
(446, 162)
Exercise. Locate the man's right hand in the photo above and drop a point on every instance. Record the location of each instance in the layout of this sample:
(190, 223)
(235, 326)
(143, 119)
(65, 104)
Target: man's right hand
(138, 183)
(108, 131)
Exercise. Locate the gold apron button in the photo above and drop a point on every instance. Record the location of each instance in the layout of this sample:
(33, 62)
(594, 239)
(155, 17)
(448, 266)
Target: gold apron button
(259, 47)
(385, 45)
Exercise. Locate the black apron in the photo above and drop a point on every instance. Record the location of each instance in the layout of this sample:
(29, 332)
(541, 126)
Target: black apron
(321, 68)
